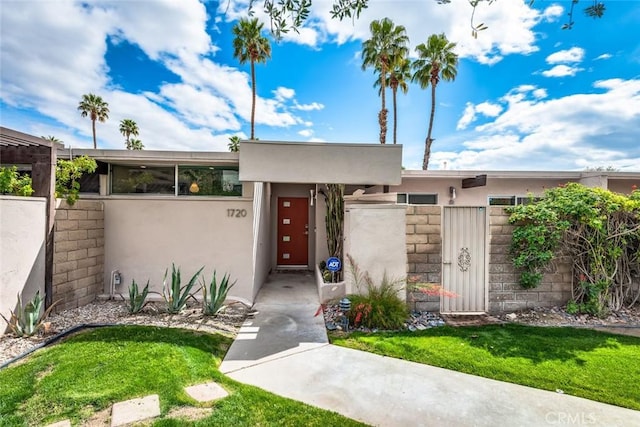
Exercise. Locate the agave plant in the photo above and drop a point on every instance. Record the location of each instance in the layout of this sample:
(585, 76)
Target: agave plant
(137, 299)
(175, 294)
(214, 295)
(26, 321)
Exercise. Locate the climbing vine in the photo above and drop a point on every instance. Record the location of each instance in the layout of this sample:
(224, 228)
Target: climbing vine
(598, 229)
(68, 172)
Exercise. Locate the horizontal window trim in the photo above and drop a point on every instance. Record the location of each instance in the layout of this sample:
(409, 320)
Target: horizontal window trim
(408, 197)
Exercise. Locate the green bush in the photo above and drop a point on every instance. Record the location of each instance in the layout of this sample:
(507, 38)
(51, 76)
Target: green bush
(11, 182)
(68, 172)
(376, 306)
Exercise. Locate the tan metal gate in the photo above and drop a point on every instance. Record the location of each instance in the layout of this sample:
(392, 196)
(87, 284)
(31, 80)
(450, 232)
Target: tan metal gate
(464, 260)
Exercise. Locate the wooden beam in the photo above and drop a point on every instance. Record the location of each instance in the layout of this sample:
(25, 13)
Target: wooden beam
(478, 181)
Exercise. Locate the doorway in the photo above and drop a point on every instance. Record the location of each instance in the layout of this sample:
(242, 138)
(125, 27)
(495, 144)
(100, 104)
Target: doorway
(464, 260)
(293, 232)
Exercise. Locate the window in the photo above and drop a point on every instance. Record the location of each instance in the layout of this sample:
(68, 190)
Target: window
(142, 179)
(208, 181)
(417, 199)
(502, 200)
(512, 200)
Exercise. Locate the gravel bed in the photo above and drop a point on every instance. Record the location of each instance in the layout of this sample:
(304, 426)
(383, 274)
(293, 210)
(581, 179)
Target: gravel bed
(558, 316)
(416, 321)
(100, 312)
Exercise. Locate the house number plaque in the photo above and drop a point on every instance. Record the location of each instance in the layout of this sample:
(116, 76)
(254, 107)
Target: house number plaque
(236, 213)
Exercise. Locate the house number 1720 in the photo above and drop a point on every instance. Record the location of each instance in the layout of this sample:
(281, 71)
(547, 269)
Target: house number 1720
(236, 213)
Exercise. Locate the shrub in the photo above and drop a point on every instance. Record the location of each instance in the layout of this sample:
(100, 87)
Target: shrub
(137, 299)
(174, 294)
(11, 182)
(214, 295)
(68, 172)
(377, 306)
(26, 321)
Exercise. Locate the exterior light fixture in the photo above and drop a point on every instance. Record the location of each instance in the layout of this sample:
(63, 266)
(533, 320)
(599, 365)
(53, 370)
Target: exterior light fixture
(345, 306)
(193, 188)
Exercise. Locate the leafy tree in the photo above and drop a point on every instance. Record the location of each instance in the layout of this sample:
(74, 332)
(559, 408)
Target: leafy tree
(135, 144)
(399, 77)
(68, 172)
(436, 60)
(234, 144)
(291, 14)
(12, 182)
(96, 108)
(128, 127)
(250, 45)
(387, 42)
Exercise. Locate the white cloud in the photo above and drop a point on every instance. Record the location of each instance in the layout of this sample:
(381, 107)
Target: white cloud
(487, 109)
(53, 52)
(603, 56)
(557, 134)
(561, 71)
(569, 56)
(283, 93)
(510, 24)
(539, 93)
(307, 133)
(309, 107)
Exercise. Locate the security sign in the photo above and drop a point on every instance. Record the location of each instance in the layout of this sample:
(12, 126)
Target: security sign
(334, 264)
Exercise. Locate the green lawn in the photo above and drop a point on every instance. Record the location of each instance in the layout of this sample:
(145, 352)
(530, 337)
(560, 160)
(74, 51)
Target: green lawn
(92, 370)
(585, 363)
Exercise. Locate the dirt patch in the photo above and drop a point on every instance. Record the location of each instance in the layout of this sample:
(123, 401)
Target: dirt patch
(189, 413)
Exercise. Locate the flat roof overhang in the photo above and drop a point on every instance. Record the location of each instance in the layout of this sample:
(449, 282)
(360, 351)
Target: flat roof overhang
(326, 163)
(153, 157)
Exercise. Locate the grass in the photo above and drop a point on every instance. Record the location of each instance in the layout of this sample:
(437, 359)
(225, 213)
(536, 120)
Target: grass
(92, 370)
(590, 364)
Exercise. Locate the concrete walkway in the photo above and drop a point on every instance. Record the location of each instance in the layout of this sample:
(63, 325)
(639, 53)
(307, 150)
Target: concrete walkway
(285, 350)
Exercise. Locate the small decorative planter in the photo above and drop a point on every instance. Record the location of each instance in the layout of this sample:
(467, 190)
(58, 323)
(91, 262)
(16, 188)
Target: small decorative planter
(329, 291)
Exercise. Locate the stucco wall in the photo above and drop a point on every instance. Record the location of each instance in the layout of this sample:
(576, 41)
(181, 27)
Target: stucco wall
(78, 254)
(144, 236)
(477, 196)
(22, 250)
(375, 238)
(505, 293)
(261, 233)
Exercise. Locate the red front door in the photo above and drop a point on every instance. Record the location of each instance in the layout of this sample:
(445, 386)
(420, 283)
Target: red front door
(293, 231)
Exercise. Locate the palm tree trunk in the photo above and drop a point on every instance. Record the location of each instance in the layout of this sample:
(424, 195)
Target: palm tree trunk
(395, 113)
(427, 144)
(93, 128)
(382, 116)
(253, 99)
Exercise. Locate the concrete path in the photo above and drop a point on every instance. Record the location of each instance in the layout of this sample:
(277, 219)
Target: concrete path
(285, 350)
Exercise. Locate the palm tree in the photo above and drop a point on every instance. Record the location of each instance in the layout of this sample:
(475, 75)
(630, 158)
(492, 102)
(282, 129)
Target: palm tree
(250, 45)
(94, 106)
(135, 144)
(399, 77)
(387, 41)
(436, 60)
(128, 127)
(51, 138)
(234, 144)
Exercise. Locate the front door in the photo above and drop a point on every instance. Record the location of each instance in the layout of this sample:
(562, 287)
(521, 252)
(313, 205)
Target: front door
(464, 260)
(293, 231)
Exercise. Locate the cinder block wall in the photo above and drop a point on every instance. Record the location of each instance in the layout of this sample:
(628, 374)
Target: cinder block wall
(78, 257)
(424, 253)
(505, 293)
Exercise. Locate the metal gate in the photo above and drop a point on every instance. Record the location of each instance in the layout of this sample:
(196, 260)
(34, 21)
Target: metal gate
(464, 260)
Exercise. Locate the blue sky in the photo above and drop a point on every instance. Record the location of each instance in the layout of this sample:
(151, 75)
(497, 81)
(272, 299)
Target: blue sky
(528, 95)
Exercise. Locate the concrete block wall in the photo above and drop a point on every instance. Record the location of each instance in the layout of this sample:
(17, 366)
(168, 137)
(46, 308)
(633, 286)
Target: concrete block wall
(505, 293)
(424, 253)
(78, 258)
